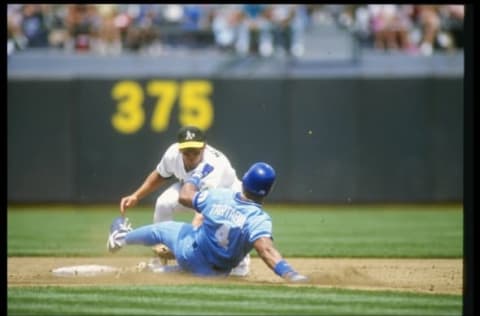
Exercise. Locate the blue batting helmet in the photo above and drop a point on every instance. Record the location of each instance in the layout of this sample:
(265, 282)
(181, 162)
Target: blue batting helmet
(259, 179)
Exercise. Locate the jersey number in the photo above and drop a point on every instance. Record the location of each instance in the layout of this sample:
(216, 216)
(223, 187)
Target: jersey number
(222, 235)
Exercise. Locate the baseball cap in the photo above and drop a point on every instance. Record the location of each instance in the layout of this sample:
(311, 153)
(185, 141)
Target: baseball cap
(190, 137)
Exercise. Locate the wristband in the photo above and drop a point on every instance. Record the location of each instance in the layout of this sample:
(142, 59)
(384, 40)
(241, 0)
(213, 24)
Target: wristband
(282, 267)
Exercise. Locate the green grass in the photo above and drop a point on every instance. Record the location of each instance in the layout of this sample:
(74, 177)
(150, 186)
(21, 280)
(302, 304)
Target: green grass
(370, 232)
(223, 300)
(306, 232)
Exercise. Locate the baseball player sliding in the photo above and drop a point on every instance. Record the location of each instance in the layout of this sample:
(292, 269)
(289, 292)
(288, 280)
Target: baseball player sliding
(181, 160)
(234, 224)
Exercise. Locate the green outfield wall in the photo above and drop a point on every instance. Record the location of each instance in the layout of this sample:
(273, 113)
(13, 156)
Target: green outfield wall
(331, 140)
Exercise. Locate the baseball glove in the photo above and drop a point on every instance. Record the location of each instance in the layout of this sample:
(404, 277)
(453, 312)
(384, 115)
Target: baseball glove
(163, 252)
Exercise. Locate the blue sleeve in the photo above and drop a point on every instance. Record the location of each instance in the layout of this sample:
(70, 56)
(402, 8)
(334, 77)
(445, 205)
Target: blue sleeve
(261, 227)
(199, 201)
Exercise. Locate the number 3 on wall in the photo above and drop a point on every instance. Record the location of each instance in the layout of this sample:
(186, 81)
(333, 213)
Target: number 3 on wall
(193, 101)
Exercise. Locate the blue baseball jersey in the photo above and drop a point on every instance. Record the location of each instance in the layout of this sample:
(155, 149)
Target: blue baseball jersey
(230, 226)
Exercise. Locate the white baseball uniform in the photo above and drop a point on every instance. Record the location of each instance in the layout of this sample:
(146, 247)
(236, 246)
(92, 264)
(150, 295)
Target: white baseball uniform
(171, 164)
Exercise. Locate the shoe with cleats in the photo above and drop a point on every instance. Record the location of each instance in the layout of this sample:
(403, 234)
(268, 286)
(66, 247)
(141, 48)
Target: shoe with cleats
(118, 230)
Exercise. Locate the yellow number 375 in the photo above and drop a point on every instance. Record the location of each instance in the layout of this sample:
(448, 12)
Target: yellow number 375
(193, 101)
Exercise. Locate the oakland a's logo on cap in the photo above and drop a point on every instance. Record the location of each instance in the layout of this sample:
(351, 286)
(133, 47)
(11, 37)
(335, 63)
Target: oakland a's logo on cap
(190, 137)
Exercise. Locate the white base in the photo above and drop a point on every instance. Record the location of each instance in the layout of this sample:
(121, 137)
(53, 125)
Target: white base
(155, 266)
(85, 270)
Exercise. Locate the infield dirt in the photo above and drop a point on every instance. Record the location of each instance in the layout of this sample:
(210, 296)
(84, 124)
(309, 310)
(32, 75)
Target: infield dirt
(439, 276)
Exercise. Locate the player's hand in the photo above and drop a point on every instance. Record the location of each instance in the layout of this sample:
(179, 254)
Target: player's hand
(202, 170)
(126, 202)
(197, 220)
(295, 277)
(199, 173)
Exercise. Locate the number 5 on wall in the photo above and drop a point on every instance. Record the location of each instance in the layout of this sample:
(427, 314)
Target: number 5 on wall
(193, 100)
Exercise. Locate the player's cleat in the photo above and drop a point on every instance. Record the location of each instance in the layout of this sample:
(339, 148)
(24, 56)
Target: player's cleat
(243, 268)
(118, 230)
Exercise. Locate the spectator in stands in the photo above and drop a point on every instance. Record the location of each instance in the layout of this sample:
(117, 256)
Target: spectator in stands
(123, 21)
(245, 29)
(360, 25)
(192, 16)
(225, 22)
(33, 26)
(441, 27)
(390, 27)
(254, 31)
(109, 40)
(16, 40)
(80, 23)
(142, 31)
(55, 16)
(429, 21)
(196, 22)
(451, 26)
(288, 24)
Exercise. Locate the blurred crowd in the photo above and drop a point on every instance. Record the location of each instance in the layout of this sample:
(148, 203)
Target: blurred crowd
(243, 29)
(409, 28)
